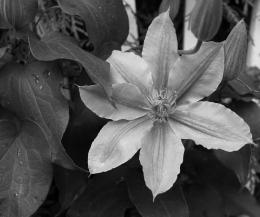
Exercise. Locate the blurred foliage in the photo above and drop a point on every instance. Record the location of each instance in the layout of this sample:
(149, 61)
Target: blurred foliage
(204, 174)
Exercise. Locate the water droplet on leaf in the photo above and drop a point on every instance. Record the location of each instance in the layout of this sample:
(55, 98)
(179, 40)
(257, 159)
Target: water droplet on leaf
(36, 78)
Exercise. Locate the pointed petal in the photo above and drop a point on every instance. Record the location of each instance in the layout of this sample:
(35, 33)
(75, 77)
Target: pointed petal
(161, 156)
(197, 76)
(129, 95)
(128, 67)
(160, 49)
(129, 102)
(116, 143)
(211, 125)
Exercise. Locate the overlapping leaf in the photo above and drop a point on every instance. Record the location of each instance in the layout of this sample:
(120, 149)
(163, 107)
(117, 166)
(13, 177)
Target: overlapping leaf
(169, 204)
(57, 46)
(25, 167)
(103, 197)
(215, 189)
(238, 161)
(204, 200)
(33, 93)
(106, 21)
(33, 120)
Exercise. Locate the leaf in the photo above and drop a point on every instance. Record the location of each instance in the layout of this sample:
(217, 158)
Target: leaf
(106, 21)
(25, 167)
(248, 111)
(32, 93)
(57, 46)
(204, 200)
(207, 171)
(238, 161)
(71, 183)
(241, 202)
(169, 204)
(103, 197)
(247, 83)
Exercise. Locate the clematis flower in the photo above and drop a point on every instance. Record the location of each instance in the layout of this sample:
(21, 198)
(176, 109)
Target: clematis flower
(157, 103)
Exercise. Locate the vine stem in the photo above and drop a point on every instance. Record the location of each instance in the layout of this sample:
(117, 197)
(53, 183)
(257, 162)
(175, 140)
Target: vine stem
(247, 86)
(191, 51)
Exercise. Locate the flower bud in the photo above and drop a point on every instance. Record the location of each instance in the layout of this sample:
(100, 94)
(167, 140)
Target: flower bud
(206, 18)
(18, 13)
(174, 7)
(235, 48)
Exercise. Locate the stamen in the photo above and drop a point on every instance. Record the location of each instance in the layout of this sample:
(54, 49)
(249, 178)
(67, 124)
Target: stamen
(163, 103)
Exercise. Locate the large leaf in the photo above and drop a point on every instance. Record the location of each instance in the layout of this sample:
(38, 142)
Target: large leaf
(71, 183)
(169, 204)
(106, 21)
(33, 93)
(238, 161)
(223, 188)
(249, 111)
(25, 167)
(204, 200)
(57, 46)
(103, 197)
(240, 203)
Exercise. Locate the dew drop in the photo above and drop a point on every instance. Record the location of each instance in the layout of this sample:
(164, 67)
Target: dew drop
(19, 153)
(36, 78)
(16, 194)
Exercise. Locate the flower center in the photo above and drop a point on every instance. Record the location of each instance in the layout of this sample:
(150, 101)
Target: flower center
(163, 103)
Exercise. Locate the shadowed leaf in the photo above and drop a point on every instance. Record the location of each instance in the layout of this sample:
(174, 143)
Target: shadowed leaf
(33, 93)
(238, 161)
(57, 46)
(169, 204)
(25, 167)
(106, 21)
(103, 197)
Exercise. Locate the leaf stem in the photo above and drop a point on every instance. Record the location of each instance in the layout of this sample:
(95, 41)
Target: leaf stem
(191, 51)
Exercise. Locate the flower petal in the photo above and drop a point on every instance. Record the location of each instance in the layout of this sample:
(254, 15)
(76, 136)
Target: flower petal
(129, 95)
(128, 67)
(160, 49)
(197, 76)
(116, 143)
(161, 156)
(211, 125)
(129, 102)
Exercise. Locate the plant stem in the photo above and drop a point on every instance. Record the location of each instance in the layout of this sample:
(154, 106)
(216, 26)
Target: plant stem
(191, 51)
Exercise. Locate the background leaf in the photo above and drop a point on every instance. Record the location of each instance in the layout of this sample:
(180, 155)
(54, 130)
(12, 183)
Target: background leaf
(71, 183)
(32, 93)
(57, 46)
(201, 203)
(25, 167)
(169, 204)
(104, 196)
(240, 203)
(106, 21)
(206, 172)
(238, 161)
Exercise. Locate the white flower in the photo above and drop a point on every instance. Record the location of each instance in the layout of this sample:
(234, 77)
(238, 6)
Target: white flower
(157, 104)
